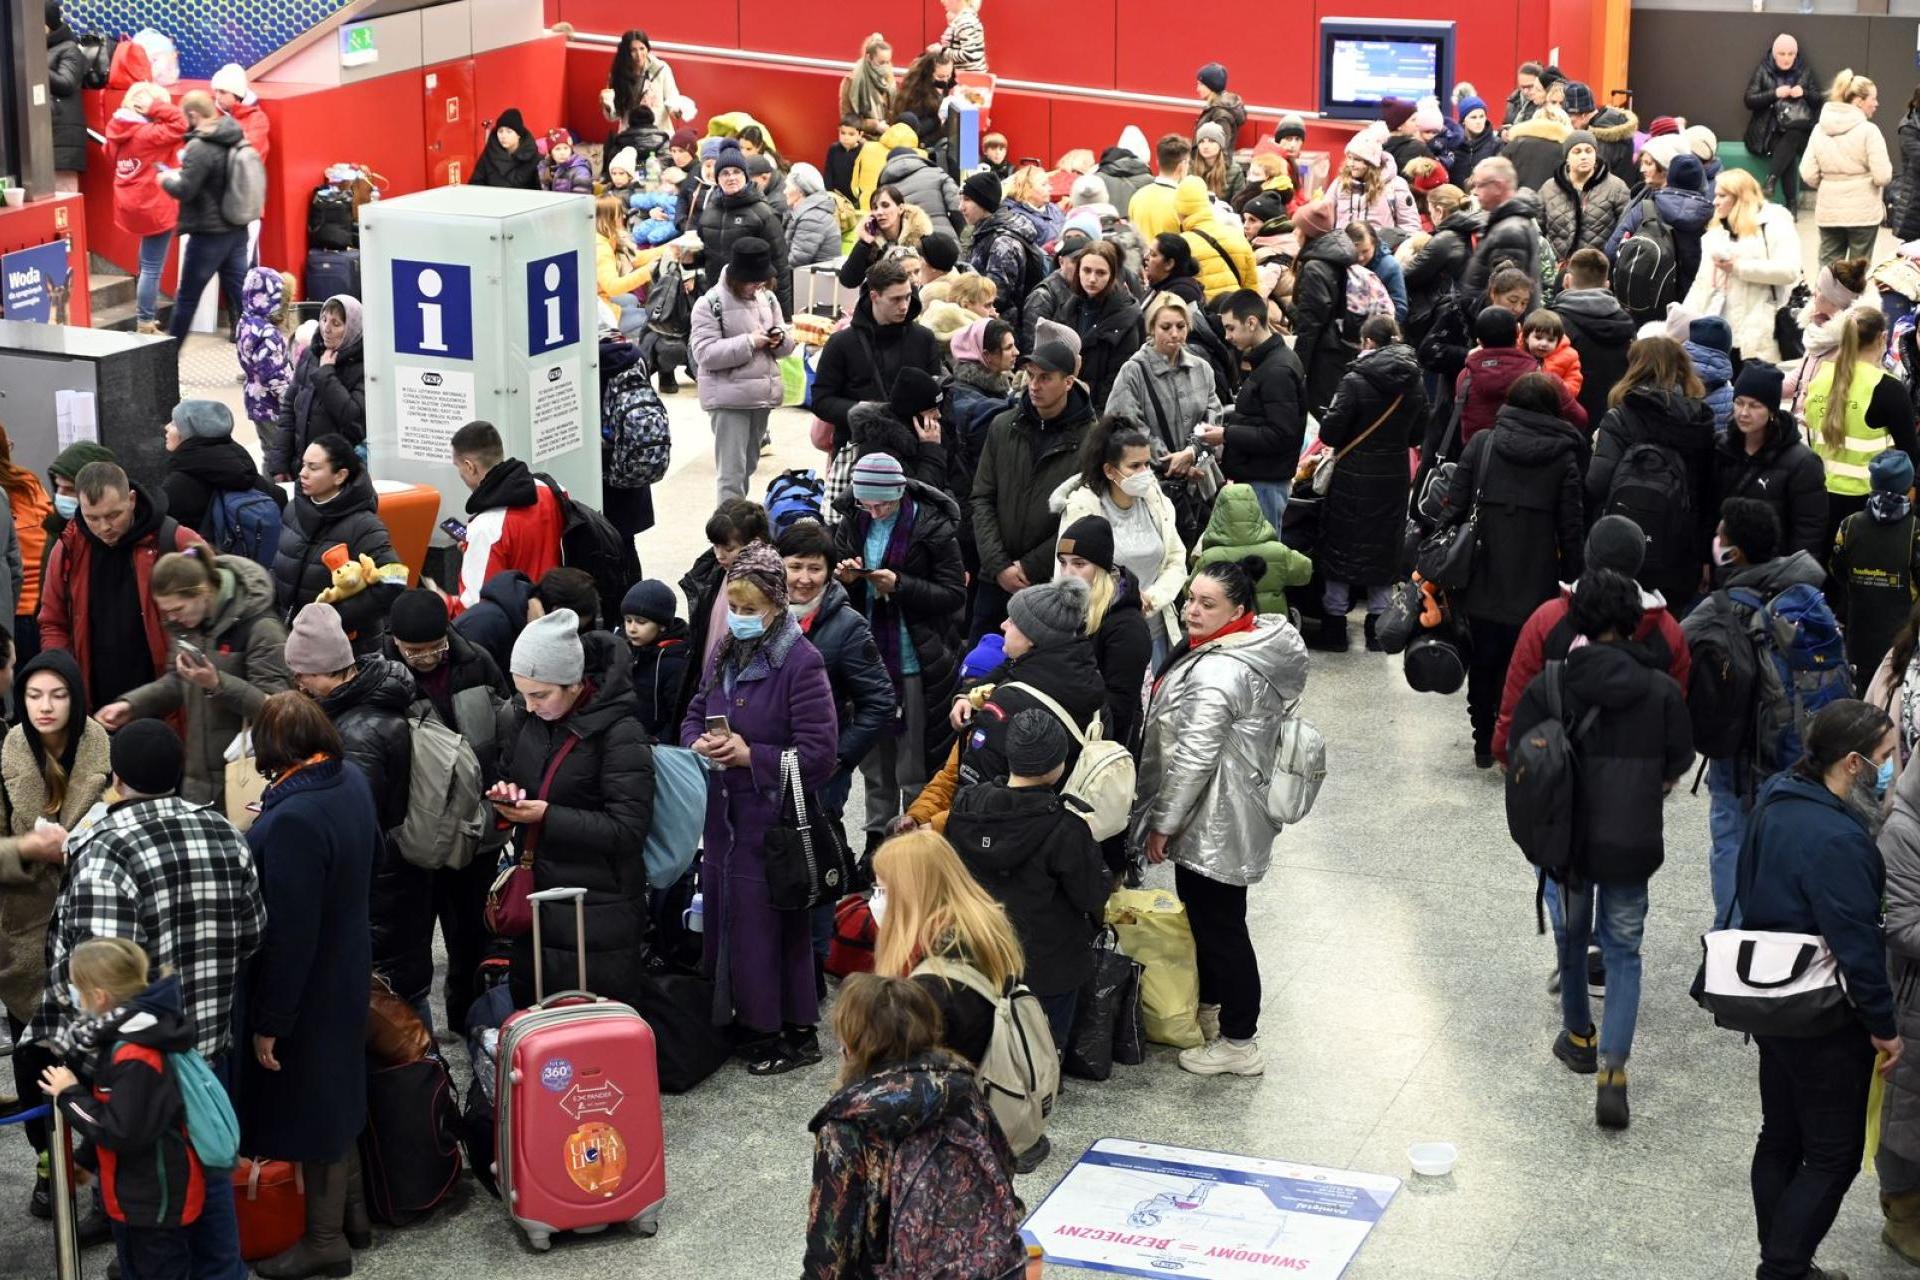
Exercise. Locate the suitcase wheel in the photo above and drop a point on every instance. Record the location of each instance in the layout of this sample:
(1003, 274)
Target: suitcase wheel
(540, 1240)
(646, 1224)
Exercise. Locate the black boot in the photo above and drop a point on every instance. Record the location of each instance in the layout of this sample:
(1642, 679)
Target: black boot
(323, 1251)
(1373, 640)
(668, 386)
(1332, 636)
(357, 1225)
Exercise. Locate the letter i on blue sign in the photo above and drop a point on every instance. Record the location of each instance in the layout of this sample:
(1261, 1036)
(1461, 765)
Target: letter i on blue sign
(553, 303)
(432, 309)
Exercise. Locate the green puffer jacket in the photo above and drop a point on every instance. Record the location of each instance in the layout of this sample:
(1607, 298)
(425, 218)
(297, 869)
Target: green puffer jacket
(1239, 529)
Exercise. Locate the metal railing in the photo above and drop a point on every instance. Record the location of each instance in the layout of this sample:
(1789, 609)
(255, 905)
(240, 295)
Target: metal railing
(1086, 92)
(66, 1229)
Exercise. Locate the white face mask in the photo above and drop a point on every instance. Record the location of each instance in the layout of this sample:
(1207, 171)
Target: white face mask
(75, 999)
(877, 904)
(1139, 484)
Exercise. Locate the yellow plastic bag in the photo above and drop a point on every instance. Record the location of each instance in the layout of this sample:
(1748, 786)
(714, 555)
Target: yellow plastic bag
(1876, 1110)
(1153, 929)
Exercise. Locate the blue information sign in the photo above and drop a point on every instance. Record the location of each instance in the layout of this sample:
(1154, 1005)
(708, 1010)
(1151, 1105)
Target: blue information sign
(553, 303)
(432, 309)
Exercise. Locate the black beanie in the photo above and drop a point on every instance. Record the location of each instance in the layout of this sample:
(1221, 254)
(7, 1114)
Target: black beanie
(940, 251)
(418, 616)
(147, 756)
(1090, 538)
(650, 599)
(984, 190)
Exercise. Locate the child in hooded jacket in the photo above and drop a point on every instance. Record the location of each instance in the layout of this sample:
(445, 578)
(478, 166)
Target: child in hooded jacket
(563, 168)
(133, 1121)
(658, 642)
(1709, 345)
(260, 341)
(1546, 341)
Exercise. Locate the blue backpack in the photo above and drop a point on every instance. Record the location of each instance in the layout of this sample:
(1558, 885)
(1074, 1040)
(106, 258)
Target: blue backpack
(246, 522)
(1805, 669)
(212, 1127)
(679, 814)
(793, 496)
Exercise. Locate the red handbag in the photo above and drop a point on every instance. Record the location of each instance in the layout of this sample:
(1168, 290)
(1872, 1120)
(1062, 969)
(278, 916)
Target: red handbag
(270, 1202)
(509, 912)
(854, 936)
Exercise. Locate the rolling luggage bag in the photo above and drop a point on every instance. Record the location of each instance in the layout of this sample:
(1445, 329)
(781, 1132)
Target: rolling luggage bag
(332, 271)
(577, 1116)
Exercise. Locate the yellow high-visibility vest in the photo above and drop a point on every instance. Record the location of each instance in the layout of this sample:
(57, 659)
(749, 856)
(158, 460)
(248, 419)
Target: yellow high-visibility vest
(1847, 465)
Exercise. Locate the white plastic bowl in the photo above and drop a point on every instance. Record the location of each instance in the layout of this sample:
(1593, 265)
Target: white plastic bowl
(1433, 1159)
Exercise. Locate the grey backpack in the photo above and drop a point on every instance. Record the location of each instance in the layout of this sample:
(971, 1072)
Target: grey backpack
(445, 821)
(245, 198)
(1021, 1071)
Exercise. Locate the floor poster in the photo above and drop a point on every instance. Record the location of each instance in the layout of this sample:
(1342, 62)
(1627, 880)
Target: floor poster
(1141, 1209)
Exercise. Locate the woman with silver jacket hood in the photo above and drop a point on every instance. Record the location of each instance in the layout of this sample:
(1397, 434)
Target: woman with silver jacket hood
(1217, 710)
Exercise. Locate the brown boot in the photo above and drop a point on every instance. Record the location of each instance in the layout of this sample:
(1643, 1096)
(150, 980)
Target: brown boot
(323, 1251)
(358, 1226)
(1902, 1232)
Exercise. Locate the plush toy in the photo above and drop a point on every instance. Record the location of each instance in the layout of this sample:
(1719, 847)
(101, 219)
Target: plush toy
(652, 219)
(350, 576)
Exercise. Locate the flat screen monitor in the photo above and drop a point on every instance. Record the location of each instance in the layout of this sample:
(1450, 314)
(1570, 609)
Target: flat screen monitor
(1366, 60)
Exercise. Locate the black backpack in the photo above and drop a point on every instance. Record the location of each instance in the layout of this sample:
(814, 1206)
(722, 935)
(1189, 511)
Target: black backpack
(669, 305)
(99, 51)
(589, 542)
(1543, 776)
(330, 219)
(1645, 270)
(1724, 682)
(1650, 487)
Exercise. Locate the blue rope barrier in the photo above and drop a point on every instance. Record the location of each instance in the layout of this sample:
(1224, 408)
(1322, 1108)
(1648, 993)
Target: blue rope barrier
(40, 1112)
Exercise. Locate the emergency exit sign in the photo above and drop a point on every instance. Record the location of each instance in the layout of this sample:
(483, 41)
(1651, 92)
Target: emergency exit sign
(357, 47)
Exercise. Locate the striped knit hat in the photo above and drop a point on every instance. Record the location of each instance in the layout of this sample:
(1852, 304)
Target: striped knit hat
(878, 477)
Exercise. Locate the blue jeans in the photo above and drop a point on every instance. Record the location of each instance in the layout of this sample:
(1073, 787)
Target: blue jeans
(153, 260)
(1727, 825)
(1622, 918)
(153, 1253)
(1060, 1010)
(222, 254)
(1273, 497)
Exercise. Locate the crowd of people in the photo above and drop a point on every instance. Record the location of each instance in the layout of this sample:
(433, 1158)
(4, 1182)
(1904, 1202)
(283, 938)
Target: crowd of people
(1105, 451)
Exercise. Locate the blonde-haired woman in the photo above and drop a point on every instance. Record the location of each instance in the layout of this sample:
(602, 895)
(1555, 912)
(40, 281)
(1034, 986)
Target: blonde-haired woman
(1846, 162)
(866, 95)
(1030, 193)
(928, 906)
(1856, 409)
(1749, 260)
(53, 768)
(620, 269)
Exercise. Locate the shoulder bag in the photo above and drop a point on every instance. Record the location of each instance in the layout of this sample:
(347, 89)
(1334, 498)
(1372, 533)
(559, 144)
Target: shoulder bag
(1323, 473)
(806, 862)
(1446, 557)
(509, 911)
(1787, 334)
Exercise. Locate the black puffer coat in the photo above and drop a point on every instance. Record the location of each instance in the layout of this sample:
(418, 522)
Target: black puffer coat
(370, 711)
(299, 574)
(1904, 199)
(1039, 860)
(863, 697)
(499, 167)
(1110, 332)
(728, 219)
(1364, 515)
(1532, 536)
(321, 399)
(204, 466)
(1123, 649)
(1268, 421)
(1512, 238)
(875, 429)
(929, 598)
(1434, 274)
(861, 361)
(1762, 127)
(599, 809)
(1067, 673)
(1319, 304)
(66, 77)
(1784, 474)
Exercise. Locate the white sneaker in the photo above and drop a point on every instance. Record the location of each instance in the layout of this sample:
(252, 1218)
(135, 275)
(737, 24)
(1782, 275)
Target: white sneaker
(1210, 1022)
(1223, 1057)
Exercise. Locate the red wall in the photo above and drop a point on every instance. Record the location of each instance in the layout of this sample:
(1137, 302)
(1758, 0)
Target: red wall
(1269, 50)
(379, 123)
(42, 222)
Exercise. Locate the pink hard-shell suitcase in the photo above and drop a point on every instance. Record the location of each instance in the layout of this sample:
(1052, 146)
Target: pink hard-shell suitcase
(577, 1122)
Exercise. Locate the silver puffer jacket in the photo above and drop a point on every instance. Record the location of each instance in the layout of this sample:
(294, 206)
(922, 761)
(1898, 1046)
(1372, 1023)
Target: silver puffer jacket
(1209, 744)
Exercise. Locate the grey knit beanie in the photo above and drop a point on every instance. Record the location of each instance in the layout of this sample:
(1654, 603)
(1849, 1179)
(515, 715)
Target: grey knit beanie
(549, 649)
(1051, 612)
(317, 645)
(206, 418)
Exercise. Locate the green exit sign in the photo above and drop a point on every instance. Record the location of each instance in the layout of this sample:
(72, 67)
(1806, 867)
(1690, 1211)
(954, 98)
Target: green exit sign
(357, 47)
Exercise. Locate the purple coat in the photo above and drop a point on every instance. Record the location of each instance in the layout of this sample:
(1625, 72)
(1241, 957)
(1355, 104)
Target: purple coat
(761, 959)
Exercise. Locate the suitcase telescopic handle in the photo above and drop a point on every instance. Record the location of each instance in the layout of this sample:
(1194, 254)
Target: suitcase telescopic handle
(537, 899)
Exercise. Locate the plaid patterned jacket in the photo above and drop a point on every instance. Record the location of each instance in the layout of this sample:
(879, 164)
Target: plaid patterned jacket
(178, 879)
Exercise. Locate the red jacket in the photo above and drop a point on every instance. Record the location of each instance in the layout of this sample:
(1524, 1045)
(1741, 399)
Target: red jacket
(1489, 374)
(254, 123)
(136, 142)
(64, 609)
(1530, 658)
(514, 522)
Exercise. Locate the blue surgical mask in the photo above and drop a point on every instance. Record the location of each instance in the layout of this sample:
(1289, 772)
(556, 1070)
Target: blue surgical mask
(67, 504)
(746, 626)
(74, 998)
(1885, 776)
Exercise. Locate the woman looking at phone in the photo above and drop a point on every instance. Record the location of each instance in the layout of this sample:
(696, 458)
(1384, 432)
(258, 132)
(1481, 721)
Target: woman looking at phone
(229, 657)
